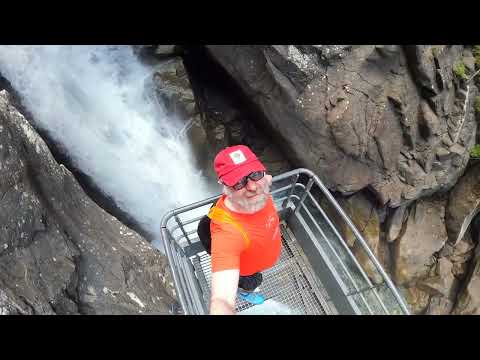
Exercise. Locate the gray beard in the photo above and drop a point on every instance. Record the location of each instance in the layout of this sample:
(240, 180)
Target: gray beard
(252, 208)
(244, 206)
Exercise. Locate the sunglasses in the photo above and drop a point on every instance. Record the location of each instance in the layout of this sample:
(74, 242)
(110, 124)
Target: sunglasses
(254, 176)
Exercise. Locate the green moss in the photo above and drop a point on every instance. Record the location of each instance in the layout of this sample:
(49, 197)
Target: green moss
(460, 70)
(476, 54)
(435, 51)
(475, 152)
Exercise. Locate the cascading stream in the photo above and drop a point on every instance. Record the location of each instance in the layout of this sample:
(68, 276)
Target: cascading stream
(98, 102)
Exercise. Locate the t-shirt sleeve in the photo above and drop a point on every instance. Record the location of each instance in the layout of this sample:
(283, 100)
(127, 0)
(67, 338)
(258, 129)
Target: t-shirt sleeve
(227, 245)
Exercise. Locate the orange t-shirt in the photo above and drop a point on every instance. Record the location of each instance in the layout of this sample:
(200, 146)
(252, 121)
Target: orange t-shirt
(229, 248)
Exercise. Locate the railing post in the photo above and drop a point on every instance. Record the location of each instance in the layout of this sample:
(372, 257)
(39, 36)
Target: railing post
(290, 193)
(304, 196)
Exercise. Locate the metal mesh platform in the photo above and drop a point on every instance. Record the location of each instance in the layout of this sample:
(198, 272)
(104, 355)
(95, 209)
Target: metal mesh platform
(312, 223)
(290, 282)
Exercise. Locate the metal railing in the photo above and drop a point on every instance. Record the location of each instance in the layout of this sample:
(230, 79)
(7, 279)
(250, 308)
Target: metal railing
(298, 195)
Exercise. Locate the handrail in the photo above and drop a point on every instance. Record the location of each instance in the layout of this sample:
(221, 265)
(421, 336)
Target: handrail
(167, 234)
(359, 236)
(349, 252)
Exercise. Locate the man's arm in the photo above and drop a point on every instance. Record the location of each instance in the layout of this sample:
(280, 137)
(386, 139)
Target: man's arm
(224, 292)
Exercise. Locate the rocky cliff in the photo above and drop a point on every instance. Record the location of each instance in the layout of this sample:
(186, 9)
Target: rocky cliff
(59, 252)
(394, 126)
(388, 128)
(395, 120)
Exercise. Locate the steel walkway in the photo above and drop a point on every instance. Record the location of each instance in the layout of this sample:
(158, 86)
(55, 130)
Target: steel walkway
(317, 273)
(290, 281)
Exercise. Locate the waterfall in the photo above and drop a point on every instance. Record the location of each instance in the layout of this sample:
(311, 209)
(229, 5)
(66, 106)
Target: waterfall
(98, 102)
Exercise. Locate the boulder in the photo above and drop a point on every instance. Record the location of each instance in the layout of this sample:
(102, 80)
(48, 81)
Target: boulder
(362, 116)
(60, 253)
(424, 235)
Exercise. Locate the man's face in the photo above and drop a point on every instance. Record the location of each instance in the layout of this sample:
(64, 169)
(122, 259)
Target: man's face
(253, 196)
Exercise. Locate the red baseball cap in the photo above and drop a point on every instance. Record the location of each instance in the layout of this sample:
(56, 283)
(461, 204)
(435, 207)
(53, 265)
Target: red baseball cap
(235, 162)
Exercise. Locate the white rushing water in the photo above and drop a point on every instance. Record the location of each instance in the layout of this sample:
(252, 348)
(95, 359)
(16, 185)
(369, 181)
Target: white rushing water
(96, 102)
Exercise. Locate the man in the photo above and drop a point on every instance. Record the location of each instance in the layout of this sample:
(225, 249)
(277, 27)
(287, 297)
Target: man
(245, 233)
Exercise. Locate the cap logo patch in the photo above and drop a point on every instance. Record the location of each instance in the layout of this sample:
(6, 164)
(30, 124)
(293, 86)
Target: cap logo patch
(237, 157)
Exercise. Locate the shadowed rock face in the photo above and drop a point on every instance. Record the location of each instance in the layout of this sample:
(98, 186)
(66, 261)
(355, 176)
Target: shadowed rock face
(227, 115)
(174, 90)
(59, 252)
(394, 119)
(469, 298)
(463, 207)
(463, 204)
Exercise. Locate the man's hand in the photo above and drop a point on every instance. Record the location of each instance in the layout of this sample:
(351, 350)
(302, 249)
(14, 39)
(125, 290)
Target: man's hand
(224, 292)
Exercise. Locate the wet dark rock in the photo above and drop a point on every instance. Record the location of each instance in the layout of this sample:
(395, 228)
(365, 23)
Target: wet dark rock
(349, 112)
(60, 253)
(227, 116)
(463, 204)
